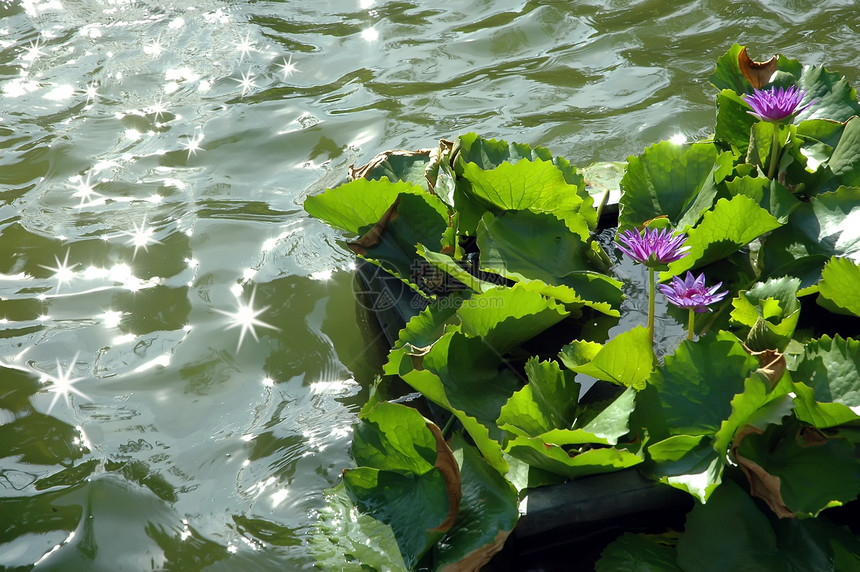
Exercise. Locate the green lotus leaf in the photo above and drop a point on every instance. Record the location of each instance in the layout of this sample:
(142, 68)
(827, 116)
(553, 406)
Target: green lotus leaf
(816, 231)
(344, 540)
(627, 359)
(665, 181)
(839, 286)
(572, 465)
(687, 462)
(691, 393)
(639, 553)
(424, 328)
(830, 370)
(769, 195)
(548, 401)
(834, 97)
(475, 377)
(731, 533)
(392, 437)
(824, 133)
(406, 467)
(414, 505)
(358, 205)
(607, 426)
(489, 154)
(723, 167)
(768, 312)
(761, 143)
(534, 186)
(594, 426)
(468, 378)
(406, 470)
(730, 225)
(507, 317)
(733, 121)
(547, 408)
(844, 163)
(603, 176)
(822, 415)
(454, 269)
(695, 463)
(414, 219)
(408, 166)
(758, 405)
(488, 513)
(813, 147)
(799, 457)
(525, 246)
(388, 233)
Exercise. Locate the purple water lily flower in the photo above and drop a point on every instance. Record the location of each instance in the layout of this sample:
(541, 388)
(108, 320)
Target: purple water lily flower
(776, 104)
(691, 293)
(653, 247)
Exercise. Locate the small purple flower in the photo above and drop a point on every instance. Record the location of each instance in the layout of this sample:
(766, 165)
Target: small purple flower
(691, 293)
(653, 247)
(776, 104)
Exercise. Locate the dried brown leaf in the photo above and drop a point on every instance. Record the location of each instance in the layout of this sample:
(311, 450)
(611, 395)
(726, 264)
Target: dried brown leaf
(374, 236)
(757, 73)
(811, 437)
(364, 171)
(479, 557)
(447, 465)
(771, 364)
(762, 484)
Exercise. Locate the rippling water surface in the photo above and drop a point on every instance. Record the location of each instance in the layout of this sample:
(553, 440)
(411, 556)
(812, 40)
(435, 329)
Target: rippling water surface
(181, 357)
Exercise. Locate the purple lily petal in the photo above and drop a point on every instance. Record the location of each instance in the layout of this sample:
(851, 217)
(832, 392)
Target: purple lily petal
(776, 104)
(652, 247)
(691, 293)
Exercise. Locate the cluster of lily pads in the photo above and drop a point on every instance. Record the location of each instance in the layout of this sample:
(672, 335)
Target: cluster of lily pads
(756, 414)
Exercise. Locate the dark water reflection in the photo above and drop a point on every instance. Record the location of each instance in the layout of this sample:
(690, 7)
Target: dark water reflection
(180, 354)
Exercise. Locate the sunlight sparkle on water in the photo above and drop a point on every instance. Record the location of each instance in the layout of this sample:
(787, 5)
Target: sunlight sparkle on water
(33, 51)
(84, 190)
(157, 109)
(288, 68)
(63, 383)
(140, 237)
(244, 46)
(153, 48)
(678, 139)
(370, 35)
(92, 91)
(193, 144)
(247, 82)
(245, 317)
(111, 318)
(63, 273)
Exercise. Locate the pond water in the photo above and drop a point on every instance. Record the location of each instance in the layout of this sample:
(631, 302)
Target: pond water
(181, 355)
